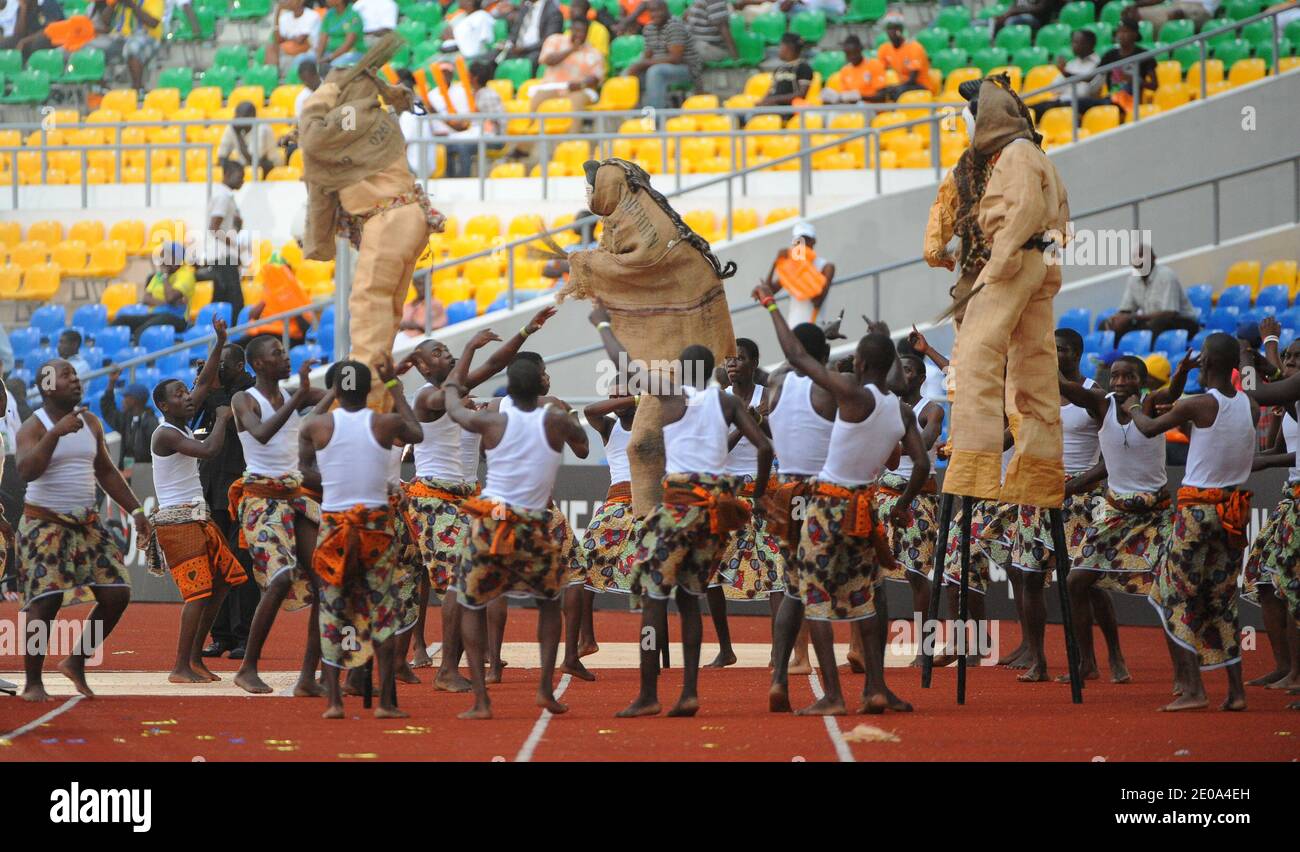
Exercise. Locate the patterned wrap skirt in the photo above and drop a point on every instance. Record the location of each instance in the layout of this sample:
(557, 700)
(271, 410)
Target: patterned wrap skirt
(66, 553)
(992, 533)
(679, 547)
(913, 544)
(841, 556)
(512, 552)
(441, 527)
(358, 608)
(751, 566)
(1033, 547)
(1128, 540)
(609, 543)
(1274, 558)
(266, 529)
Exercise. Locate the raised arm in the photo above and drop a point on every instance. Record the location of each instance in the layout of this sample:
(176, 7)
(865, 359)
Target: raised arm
(401, 425)
(1282, 392)
(1195, 409)
(1092, 400)
(913, 446)
(597, 413)
(931, 424)
(249, 415)
(1177, 383)
(922, 347)
(501, 358)
(485, 422)
(168, 442)
(207, 379)
(635, 371)
(790, 345)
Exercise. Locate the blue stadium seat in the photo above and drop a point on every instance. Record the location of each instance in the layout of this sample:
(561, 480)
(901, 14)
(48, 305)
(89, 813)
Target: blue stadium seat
(1285, 338)
(1197, 343)
(208, 311)
(95, 387)
(90, 318)
(243, 315)
(1099, 341)
(173, 363)
(1174, 340)
(1238, 297)
(113, 337)
(1079, 319)
(40, 355)
(1278, 297)
(133, 310)
(157, 337)
(327, 315)
(126, 353)
(1223, 318)
(23, 374)
(324, 337)
(1138, 341)
(303, 352)
(1201, 296)
(24, 340)
(49, 320)
(501, 303)
(150, 378)
(94, 356)
(461, 311)
(1193, 381)
(1290, 318)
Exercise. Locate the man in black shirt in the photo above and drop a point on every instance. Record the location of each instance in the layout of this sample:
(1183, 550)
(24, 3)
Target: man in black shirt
(230, 630)
(793, 78)
(135, 421)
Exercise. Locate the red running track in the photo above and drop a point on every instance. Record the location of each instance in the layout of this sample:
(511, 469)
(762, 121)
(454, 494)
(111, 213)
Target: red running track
(1002, 720)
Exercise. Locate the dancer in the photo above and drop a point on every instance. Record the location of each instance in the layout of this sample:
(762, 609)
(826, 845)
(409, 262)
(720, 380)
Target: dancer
(277, 519)
(750, 567)
(1196, 591)
(356, 554)
(510, 549)
(1127, 539)
(842, 546)
(65, 554)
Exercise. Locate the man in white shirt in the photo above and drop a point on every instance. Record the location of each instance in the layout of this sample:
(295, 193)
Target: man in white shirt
(221, 249)
(1154, 299)
(378, 17)
(297, 29)
(461, 154)
(472, 34)
(1084, 61)
(309, 74)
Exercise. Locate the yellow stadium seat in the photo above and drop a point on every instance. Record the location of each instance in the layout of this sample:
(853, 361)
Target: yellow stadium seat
(767, 121)
(1169, 73)
(1039, 77)
(11, 233)
(254, 95)
(758, 84)
(637, 125)
(681, 124)
(132, 174)
(129, 232)
(1099, 119)
(202, 298)
(526, 89)
(507, 170)
(291, 253)
(951, 146)
(71, 256)
(619, 93)
(315, 274)
(117, 295)
(481, 269)
(556, 125)
(1279, 272)
(1213, 75)
(29, 253)
(107, 259)
(11, 280)
(1246, 71)
(740, 101)
(47, 231)
(122, 101)
(486, 226)
(1056, 123)
(700, 102)
(284, 173)
(1169, 97)
(505, 89)
(466, 244)
(163, 231)
(166, 101)
(780, 214)
(525, 225)
(1012, 71)
(40, 283)
(285, 96)
(1243, 272)
(701, 221)
(1288, 63)
(955, 78)
(205, 99)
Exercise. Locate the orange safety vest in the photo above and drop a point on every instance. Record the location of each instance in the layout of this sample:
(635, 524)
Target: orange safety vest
(281, 292)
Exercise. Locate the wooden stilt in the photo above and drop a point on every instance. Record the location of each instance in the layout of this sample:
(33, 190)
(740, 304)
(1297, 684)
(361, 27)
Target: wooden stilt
(967, 504)
(1062, 559)
(936, 592)
(368, 691)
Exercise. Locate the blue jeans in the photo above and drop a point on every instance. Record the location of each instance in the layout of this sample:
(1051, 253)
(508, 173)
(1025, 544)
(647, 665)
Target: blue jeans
(658, 79)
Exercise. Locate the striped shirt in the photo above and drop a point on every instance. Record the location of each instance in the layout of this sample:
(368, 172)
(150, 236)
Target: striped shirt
(674, 32)
(703, 18)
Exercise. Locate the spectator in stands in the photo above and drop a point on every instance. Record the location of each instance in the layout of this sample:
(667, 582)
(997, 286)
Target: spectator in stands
(342, 36)
(709, 22)
(636, 15)
(418, 310)
(907, 58)
(295, 34)
(793, 77)
(1031, 13)
(240, 145)
(1083, 43)
(17, 389)
(309, 74)
(670, 59)
(472, 33)
(860, 79)
(1119, 81)
(462, 152)
(532, 23)
(281, 293)
(22, 23)
(168, 293)
(830, 7)
(6, 352)
(135, 421)
(378, 17)
(1154, 299)
(803, 274)
(222, 245)
(1158, 12)
(131, 31)
(574, 69)
(70, 350)
(599, 21)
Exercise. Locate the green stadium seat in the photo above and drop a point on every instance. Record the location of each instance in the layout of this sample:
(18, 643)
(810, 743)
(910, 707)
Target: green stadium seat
(1031, 57)
(677, 8)
(1231, 51)
(207, 18)
(424, 51)
(864, 11)
(1219, 38)
(75, 7)
(179, 78)
(953, 18)
(1188, 55)
(1014, 37)
(428, 14)
(809, 26)
(988, 58)
(401, 59)
(992, 11)
(1292, 32)
(30, 87)
(1258, 33)
(737, 23)
(1176, 30)
(1077, 14)
(1146, 34)
(1110, 13)
(1105, 35)
(934, 39)
(1239, 9)
(1265, 51)
(624, 50)
(1053, 36)
(85, 66)
(948, 60)
(231, 56)
(500, 30)
(518, 71)
(11, 62)
(221, 76)
(769, 25)
(266, 76)
(828, 62)
(49, 61)
(750, 49)
(971, 39)
(413, 31)
(249, 10)
(219, 8)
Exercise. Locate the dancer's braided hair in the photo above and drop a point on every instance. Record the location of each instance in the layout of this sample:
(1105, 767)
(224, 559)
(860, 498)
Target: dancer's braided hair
(638, 178)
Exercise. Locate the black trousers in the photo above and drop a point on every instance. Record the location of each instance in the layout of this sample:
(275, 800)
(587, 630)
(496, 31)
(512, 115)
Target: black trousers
(236, 614)
(12, 492)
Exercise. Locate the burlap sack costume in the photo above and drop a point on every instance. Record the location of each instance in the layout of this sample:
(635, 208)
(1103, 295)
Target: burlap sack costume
(662, 286)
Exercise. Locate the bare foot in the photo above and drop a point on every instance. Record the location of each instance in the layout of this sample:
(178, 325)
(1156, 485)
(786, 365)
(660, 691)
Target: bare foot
(250, 682)
(1088, 674)
(1268, 679)
(1036, 674)
(1024, 661)
(34, 692)
(334, 711)
(1185, 703)
(945, 660)
(185, 676)
(390, 713)
(855, 664)
(1013, 655)
(778, 699)
(494, 673)
(405, 675)
(800, 666)
(1119, 672)
(478, 711)
(1236, 704)
(897, 704)
(308, 689)
(587, 649)
(203, 671)
(1287, 682)
(639, 707)
(351, 687)
(454, 682)
(875, 704)
(824, 706)
(577, 669)
(685, 707)
(547, 702)
(74, 669)
(917, 662)
(421, 659)
(725, 658)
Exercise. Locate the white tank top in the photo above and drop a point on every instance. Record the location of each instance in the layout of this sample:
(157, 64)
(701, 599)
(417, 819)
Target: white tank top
(616, 454)
(68, 483)
(521, 469)
(858, 451)
(1134, 462)
(175, 477)
(1291, 434)
(698, 442)
(743, 458)
(277, 456)
(1221, 456)
(438, 455)
(353, 465)
(1079, 436)
(394, 468)
(800, 435)
(904, 468)
(469, 455)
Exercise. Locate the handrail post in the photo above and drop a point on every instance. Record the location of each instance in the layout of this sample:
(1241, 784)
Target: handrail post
(1074, 123)
(510, 275)
(1214, 188)
(1277, 39)
(482, 166)
(545, 160)
(1204, 59)
(1137, 90)
(874, 149)
(343, 271)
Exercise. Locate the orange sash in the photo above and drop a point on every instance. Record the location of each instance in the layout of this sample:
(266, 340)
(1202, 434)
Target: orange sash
(798, 276)
(41, 513)
(928, 488)
(778, 503)
(619, 492)
(238, 490)
(861, 520)
(419, 489)
(338, 556)
(727, 512)
(503, 537)
(1231, 504)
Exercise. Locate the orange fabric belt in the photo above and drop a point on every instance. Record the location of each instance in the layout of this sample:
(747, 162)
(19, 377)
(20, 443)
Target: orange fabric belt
(419, 489)
(338, 556)
(503, 537)
(860, 519)
(1231, 504)
(727, 512)
(41, 513)
(779, 505)
(619, 492)
(928, 488)
(239, 490)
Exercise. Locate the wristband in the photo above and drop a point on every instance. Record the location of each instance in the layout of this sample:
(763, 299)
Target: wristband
(602, 325)
(392, 383)
(138, 511)
(524, 332)
(771, 307)
(766, 301)
(1272, 338)
(636, 400)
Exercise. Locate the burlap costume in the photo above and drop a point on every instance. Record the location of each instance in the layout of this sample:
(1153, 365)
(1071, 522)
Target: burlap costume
(359, 186)
(663, 288)
(1009, 320)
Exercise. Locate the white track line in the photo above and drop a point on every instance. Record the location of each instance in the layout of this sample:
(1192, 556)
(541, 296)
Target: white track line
(526, 752)
(36, 723)
(842, 749)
